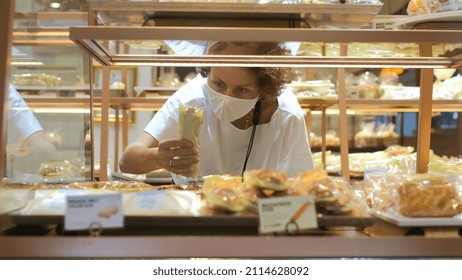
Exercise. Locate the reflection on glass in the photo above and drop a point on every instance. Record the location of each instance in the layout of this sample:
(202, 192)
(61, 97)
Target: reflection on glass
(31, 146)
(48, 99)
(47, 150)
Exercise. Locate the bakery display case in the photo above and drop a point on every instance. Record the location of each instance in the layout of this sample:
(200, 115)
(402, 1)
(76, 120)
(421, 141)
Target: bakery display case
(338, 48)
(331, 36)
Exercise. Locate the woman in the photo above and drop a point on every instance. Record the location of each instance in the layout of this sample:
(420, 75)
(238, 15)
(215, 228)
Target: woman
(230, 96)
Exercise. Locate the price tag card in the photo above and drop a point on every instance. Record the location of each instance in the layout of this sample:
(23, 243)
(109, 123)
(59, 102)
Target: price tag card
(93, 212)
(287, 214)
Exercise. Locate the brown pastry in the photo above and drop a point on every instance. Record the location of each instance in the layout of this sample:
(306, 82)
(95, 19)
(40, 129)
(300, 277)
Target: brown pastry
(266, 179)
(428, 196)
(307, 180)
(224, 195)
(330, 196)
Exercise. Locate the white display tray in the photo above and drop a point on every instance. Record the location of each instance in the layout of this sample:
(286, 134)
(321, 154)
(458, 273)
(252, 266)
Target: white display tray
(410, 22)
(402, 221)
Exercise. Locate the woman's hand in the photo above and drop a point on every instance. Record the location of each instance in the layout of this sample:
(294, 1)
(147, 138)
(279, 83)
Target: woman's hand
(178, 156)
(146, 154)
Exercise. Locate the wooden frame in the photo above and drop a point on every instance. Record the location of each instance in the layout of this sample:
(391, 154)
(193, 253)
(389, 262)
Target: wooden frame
(127, 76)
(6, 25)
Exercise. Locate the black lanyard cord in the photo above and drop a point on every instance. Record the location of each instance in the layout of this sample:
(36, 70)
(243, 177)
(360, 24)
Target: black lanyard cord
(255, 122)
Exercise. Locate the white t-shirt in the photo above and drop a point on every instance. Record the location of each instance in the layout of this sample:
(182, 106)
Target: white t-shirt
(199, 47)
(281, 144)
(20, 114)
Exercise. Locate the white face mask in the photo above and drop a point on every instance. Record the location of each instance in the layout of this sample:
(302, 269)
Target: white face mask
(229, 108)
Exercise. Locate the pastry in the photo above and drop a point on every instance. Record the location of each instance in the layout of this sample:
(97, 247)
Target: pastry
(329, 195)
(224, 195)
(428, 196)
(308, 179)
(266, 179)
(189, 126)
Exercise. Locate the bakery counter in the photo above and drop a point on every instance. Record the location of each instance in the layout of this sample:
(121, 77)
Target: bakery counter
(183, 246)
(214, 239)
(222, 237)
(190, 223)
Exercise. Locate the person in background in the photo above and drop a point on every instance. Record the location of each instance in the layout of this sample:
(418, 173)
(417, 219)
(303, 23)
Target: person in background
(36, 146)
(232, 97)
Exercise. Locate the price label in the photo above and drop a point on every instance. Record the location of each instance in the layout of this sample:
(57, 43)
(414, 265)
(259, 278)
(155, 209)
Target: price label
(287, 214)
(93, 212)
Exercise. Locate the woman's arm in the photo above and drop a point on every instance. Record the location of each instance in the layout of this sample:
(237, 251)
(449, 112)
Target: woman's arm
(39, 150)
(146, 154)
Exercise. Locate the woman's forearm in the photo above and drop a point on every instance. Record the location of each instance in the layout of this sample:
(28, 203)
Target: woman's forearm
(138, 159)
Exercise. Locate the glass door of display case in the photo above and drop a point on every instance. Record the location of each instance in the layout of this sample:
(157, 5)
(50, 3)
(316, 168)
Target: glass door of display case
(49, 106)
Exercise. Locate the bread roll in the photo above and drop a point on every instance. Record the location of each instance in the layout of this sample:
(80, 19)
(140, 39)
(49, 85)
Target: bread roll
(266, 179)
(224, 195)
(307, 180)
(328, 192)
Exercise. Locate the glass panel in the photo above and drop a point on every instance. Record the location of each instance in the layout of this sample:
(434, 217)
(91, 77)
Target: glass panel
(123, 48)
(49, 120)
(376, 50)
(300, 13)
(123, 52)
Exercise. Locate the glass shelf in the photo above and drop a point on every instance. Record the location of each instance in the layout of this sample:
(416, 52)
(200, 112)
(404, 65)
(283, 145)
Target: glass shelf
(178, 12)
(101, 42)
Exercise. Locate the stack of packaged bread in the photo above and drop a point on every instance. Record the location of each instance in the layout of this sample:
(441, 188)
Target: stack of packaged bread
(422, 7)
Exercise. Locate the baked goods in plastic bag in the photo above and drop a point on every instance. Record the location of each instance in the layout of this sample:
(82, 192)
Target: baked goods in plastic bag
(307, 180)
(330, 194)
(263, 183)
(426, 195)
(380, 190)
(423, 7)
(60, 169)
(236, 194)
(189, 126)
(221, 192)
(266, 179)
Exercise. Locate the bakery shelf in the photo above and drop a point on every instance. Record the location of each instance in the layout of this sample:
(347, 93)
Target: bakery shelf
(46, 28)
(383, 105)
(315, 15)
(153, 103)
(93, 39)
(51, 19)
(232, 223)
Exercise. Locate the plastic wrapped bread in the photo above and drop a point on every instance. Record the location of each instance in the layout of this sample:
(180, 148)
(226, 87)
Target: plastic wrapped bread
(222, 192)
(330, 193)
(266, 179)
(423, 7)
(189, 127)
(425, 195)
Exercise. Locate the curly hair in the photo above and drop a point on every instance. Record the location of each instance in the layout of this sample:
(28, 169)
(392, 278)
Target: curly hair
(271, 80)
